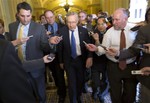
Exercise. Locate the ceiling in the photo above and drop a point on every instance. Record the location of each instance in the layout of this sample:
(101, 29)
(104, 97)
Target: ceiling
(41, 5)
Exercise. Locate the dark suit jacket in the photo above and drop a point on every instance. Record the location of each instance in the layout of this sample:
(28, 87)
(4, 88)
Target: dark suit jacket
(64, 48)
(14, 86)
(36, 45)
(142, 37)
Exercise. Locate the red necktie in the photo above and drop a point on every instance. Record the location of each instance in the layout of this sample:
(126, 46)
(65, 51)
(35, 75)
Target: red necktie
(122, 63)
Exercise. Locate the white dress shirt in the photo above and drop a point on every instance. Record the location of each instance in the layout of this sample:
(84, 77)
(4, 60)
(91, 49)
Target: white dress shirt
(112, 39)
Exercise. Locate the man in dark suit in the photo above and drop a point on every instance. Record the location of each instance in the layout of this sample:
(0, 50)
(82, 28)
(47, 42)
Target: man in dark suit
(52, 28)
(73, 55)
(34, 47)
(13, 79)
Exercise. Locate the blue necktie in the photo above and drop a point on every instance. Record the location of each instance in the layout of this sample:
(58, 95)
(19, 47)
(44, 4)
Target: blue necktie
(73, 45)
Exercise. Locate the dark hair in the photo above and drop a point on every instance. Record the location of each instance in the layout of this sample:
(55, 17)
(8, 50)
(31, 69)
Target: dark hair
(89, 15)
(23, 5)
(2, 22)
(146, 15)
(102, 17)
(41, 16)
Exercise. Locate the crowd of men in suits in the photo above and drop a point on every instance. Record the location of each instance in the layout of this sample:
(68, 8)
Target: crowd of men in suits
(70, 46)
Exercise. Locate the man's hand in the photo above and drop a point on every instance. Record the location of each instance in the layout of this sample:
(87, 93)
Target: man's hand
(20, 41)
(112, 52)
(46, 60)
(55, 39)
(91, 47)
(146, 71)
(95, 36)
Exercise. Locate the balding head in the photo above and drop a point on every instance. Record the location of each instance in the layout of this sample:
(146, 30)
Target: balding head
(49, 16)
(120, 18)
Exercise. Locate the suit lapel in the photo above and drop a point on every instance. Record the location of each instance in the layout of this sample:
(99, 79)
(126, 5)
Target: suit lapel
(14, 36)
(30, 32)
(31, 29)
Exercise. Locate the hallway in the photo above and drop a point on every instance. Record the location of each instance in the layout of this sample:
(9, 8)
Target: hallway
(53, 98)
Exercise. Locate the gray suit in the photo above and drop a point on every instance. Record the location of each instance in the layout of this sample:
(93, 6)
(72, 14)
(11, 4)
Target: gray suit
(35, 47)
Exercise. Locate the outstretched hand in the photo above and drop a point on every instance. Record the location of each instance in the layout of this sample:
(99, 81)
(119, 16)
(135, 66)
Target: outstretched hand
(20, 41)
(146, 71)
(55, 39)
(91, 47)
(112, 52)
(46, 60)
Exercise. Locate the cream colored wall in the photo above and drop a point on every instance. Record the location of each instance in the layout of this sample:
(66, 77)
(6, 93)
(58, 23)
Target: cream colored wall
(111, 5)
(8, 10)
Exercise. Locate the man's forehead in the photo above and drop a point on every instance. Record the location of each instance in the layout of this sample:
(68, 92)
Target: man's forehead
(24, 12)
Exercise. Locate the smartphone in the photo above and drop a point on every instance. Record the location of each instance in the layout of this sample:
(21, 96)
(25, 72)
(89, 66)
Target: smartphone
(51, 56)
(30, 36)
(61, 36)
(84, 42)
(105, 48)
(90, 33)
(140, 46)
(136, 72)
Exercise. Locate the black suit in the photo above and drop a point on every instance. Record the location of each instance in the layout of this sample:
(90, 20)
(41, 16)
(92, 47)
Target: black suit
(14, 85)
(74, 67)
(57, 72)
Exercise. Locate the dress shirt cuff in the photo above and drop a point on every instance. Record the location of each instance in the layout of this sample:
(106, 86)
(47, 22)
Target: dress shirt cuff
(100, 51)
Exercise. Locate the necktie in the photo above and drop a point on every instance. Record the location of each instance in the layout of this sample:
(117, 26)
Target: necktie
(122, 63)
(52, 30)
(20, 35)
(73, 45)
(52, 34)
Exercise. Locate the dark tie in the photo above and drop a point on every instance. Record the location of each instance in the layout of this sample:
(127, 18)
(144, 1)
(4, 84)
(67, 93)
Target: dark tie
(122, 63)
(73, 45)
(52, 30)
(52, 34)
